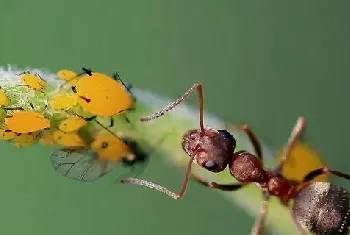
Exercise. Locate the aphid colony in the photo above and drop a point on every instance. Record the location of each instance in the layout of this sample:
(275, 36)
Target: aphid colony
(72, 118)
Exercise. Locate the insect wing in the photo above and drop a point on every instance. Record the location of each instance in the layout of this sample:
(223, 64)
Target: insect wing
(80, 164)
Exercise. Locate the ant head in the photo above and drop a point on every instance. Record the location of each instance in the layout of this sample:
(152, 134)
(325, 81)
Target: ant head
(212, 148)
(246, 168)
(323, 208)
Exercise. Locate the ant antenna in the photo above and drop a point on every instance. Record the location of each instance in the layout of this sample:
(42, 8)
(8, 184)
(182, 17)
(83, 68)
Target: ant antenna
(196, 86)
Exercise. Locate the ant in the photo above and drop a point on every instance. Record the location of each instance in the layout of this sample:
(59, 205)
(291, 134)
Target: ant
(214, 150)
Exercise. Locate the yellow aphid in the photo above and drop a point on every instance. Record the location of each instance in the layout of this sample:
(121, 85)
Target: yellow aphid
(63, 101)
(68, 76)
(47, 139)
(25, 139)
(111, 148)
(7, 135)
(33, 81)
(26, 122)
(301, 161)
(101, 95)
(71, 124)
(4, 99)
(68, 139)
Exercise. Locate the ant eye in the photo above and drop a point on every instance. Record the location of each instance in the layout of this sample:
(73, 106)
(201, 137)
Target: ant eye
(209, 165)
(227, 135)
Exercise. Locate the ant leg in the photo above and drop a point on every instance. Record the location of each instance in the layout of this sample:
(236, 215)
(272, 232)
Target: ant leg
(325, 170)
(222, 187)
(196, 86)
(255, 141)
(161, 188)
(294, 136)
(258, 228)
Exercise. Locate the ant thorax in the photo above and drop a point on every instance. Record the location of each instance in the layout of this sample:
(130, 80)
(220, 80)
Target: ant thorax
(246, 168)
(212, 150)
(278, 185)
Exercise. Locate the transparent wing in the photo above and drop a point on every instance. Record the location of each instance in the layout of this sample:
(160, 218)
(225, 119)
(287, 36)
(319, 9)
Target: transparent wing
(80, 164)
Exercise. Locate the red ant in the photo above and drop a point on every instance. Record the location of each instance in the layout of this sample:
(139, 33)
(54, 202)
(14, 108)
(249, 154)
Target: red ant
(214, 150)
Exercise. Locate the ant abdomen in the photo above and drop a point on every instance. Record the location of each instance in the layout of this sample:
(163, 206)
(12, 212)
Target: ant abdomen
(323, 208)
(213, 149)
(246, 168)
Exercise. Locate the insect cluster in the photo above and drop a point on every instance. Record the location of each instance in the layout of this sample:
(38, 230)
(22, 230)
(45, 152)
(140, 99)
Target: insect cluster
(76, 118)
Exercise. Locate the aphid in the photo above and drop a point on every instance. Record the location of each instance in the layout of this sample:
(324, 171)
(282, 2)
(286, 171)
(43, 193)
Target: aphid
(102, 95)
(68, 76)
(61, 101)
(214, 150)
(7, 135)
(311, 159)
(73, 123)
(22, 121)
(71, 139)
(33, 81)
(26, 139)
(4, 99)
(47, 139)
(90, 164)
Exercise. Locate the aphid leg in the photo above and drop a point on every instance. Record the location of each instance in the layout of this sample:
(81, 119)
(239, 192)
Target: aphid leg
(161, 188)
(23, 85)
(24, 72)
(300, 229)
(118, 78)
(223, 187)
(111, 122)
(37, 136)
(74, 89)
(196, 86)
(88, 119)
(127, 119)
(325, 170)
(13, 108)
(255, 142)
(38, 75)
(258, 228)
(294, 136)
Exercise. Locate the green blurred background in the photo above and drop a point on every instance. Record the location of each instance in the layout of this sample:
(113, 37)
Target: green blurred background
(261, 62)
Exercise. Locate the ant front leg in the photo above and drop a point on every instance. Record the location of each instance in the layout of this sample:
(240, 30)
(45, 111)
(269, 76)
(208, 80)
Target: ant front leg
(161, 188)
(222, 187)
(258, 228)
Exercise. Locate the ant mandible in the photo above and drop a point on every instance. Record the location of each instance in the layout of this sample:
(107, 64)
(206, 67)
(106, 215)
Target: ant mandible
(214, 150)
